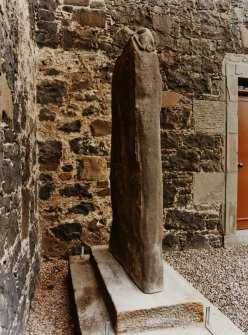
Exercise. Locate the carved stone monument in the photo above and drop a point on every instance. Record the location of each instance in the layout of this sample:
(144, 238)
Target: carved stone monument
(136, 177)
(104, 291)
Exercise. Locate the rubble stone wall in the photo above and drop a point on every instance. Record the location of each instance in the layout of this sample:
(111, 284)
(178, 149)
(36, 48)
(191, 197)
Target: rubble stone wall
(79, 41)
(19, 237)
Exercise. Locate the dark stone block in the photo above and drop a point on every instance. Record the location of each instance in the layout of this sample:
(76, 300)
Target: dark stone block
(171, 242)
(70, 39)
(182, 160)
(51, 92)
(12, 176)
(46, 115)
(170, 140)
(77, 2)
(45, 177)
(25, 212)
(75, 190)
(67, 168)
(81, 85)
(48, 26)
(176, 219)
(48, 4)
(67, 231)
(45, 39)
(90, 111)
(83, 208)
(50, 152)
(68, 9)
(9, 135)
(72, 127)
(97, 4)
(203, 141)
(90, 97)
(88, 147)
(52, 72)
(196, 240)
(46, 15)
(46, 191)
(169, 192)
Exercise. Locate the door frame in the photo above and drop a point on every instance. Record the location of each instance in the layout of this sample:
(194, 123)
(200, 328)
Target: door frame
(234, 67)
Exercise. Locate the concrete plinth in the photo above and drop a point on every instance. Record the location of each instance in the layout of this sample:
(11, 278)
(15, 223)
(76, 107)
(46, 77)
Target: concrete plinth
(179, 310)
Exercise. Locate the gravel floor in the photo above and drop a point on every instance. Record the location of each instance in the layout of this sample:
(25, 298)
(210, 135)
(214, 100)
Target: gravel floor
(50, 308)
(219, 274)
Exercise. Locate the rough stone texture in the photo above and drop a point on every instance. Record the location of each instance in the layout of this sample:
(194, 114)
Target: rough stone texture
(92, 312)
(19, 255)
(142, 312)
(192, 40)
(136, 176)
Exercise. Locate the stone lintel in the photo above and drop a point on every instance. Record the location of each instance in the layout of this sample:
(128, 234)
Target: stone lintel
(134, 311)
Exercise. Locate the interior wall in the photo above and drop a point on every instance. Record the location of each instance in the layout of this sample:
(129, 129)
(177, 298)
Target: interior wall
(19, 236)
(79, 41)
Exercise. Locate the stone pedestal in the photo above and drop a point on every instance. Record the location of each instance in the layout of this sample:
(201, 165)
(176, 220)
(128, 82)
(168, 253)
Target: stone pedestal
(179, 304)
(134, 311)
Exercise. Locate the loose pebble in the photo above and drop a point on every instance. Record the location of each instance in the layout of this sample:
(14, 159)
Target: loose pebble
(50, 312)
(221, 275)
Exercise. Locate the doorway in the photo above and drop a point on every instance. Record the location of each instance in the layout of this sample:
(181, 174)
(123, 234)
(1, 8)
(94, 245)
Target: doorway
(235, 80)
(242, 205)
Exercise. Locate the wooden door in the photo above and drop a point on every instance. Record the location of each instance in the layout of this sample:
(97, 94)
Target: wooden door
(242, 212)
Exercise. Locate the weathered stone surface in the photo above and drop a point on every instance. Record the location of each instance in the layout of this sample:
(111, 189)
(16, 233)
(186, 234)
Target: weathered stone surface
(67, 231)
(67, 168)
(97, 4)
(244, 35)
(46, 15)
(178, 304)
(92, 168)
(136, 179)
(170, 99)
(77, 2)
(72, 127)
(90, 110)
(208, 188)
(51, 27)
(19, 257)
(75, 190)
(51, 92)
(88, 146)
(6, 102)
(50, 152)
(209, 116)
(45, 191)
(101, 127)
(81, 85)
(82, 208)
(92, 18)
(46, 115)
(45, 39)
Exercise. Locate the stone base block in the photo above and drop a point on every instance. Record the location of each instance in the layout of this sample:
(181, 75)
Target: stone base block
(91, 311)
(131, 310)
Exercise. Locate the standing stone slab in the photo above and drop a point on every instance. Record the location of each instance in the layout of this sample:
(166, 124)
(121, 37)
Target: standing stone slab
(136, 176)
